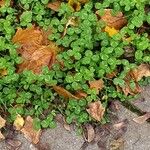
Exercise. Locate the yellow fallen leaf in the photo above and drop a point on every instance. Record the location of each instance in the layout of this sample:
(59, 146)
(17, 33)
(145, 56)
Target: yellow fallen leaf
(29, 132)
(2, 122)
(3, 72)
(19, 122)
(111, 31)
(97, 84)
(96, 110)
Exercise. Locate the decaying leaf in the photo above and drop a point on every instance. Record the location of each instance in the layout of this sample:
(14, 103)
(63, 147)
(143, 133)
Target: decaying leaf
(72, 21)
(80, 94)
(63, 92)
(35, 49)
(112, 74)
(141, 71)
(1, 136)
(118, 21)
(54, 5)
(96, 110)
(29, 132)
(76, 4)
(111, 31)
(89, 133)
(13, 143)
(2, 122)
(3, 72)
(2, 3)
(18, 123)
(97, 84)
(142, 119)
(117, 144)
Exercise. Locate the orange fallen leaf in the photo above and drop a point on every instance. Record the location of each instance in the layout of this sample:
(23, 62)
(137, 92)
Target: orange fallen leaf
(96, 110)
(2, 122)
(35, 48)
(118, 21)
(141, 71)
(54, 5)
(29, 132)
(97, 84)
(80, 94)
(63, 92)
(18, 123)
(142, 119)
(111, 31)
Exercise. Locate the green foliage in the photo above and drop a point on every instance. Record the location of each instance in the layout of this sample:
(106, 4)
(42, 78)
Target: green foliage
(89, 53)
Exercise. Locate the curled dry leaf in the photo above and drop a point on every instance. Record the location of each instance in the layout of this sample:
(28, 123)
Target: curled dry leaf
(18, 123)
(141, 71)
(89, 133)
(54, 5)
(142, 119)
(2, 122)
(29, 132)
(118, 21)
(97, 84)
(63, 92)
(96, 110)
(72, 21)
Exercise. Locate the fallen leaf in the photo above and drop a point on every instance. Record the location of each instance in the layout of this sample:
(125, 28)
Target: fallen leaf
(29, 132)
(72, 21)
(120, 125)
(112, 74)
(80, 94)
(111, 31)
(142, 119)
(1, 136)
(118, 21)
(2, 122)
(35, 48)
(18, 123)
(2, 3)
(3, 72)
(96, 110)
(89, 133)
(97, 84)
(141, 71)
(117, 144)
(54, 5)
(63, 92)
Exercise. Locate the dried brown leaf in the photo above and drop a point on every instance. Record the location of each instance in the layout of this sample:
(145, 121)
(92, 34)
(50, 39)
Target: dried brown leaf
(3, 72)
(63, 92)
(97, 84)
(2, 3)
(15, 144)
(80, 94)
(90, 133)
(96, 110)
(2, 122)
(141, 71)
(54, 5)
(118, 21)
(112, 74)
(142, 119)
(29, 132)
(1, 136)
(117, 144)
